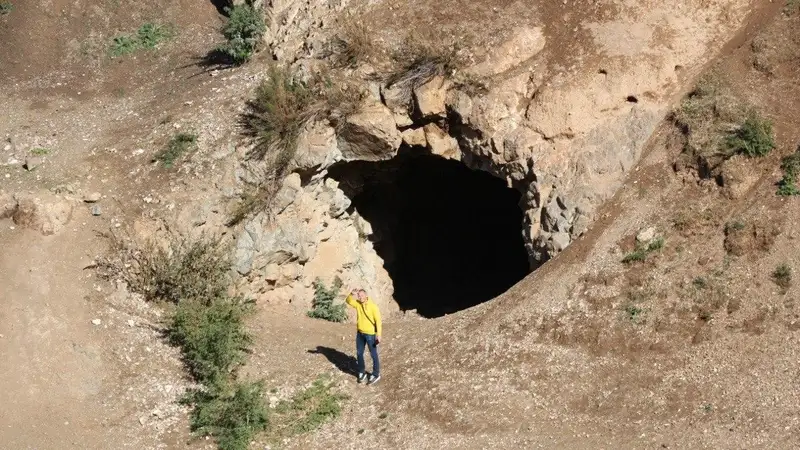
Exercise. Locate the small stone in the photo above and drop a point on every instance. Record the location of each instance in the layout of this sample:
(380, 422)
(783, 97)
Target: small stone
(96, 321)
(96, 210)
(92, 198)
(131, 323)
(142, 420)
(646, 235)
(32, 162)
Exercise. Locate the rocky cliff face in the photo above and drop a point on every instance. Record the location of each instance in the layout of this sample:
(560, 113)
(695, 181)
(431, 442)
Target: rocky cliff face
(570, 94)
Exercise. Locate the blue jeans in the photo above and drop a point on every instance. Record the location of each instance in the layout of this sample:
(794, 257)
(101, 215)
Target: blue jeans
(368, 340)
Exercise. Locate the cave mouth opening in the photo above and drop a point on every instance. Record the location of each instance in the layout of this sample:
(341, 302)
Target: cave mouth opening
(450, 236)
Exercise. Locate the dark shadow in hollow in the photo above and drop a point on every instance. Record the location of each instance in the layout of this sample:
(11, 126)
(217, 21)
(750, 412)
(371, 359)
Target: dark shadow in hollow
(221, 5)
(450, 236)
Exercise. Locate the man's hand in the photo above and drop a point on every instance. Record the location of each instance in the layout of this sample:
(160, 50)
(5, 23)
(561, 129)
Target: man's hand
(377, 340)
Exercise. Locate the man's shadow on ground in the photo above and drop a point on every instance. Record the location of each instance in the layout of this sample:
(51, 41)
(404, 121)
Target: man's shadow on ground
(342, 361)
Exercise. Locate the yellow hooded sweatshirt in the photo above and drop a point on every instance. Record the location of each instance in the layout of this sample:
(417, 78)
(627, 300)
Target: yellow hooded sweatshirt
(369, 317)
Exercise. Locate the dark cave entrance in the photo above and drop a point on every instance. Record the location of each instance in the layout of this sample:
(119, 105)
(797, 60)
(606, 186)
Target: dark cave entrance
(450, 237)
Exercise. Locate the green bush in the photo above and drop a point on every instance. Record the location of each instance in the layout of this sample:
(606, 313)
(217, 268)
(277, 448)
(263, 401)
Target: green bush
(791, 170)
(308, 409)
(243, 31)
(641, 251)
(324, 307)
(233, 416)
(176, 147)
(6, 7)
(753, 138)
(148, 36)
(212, 336)
(634, 313)
(782, 276)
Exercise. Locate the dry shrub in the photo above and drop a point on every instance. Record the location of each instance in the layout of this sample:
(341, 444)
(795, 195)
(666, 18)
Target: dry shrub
(282, 107)
(418, 62)
(742, 239)
(182, 269)
(353, 44)
(707, 114)
(717, 126)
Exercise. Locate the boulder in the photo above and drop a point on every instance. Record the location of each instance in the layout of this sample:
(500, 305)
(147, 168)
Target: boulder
(45, 212)
(414, 137)
(429, 99)
(316, 147)
(370, 135)
(646, 235)
(287, 194)
(441, 143)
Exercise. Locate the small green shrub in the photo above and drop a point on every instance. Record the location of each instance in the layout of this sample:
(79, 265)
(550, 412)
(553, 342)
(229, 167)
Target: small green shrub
(642, 250)
(176, 147)
(717, 125)
(736, 225)
(753, 138)
(39, 151)
(232, 415)
(183, 269)
(148, 36)
(792, 7)
(6, 7)
(700, 283)
(212, 336)
(308, 409)
(791, 171)
(243, 31)
(782, 276)
(634, 313)
(324, 307)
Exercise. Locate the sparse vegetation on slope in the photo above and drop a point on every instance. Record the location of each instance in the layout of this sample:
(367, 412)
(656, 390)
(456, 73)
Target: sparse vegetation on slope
(176, 148)
(718, 126)
(275, 117)
(183, 269)
(753, 138)
(353, 45)
(643, 250)
(416, 63)
(208, 326)
(324, 306)
(206, 323)
(243, 32)
(6, 7)
(148, 36)
(308, 409)
(211, 334)
(782, 276)
(233, 414)
(791, 170)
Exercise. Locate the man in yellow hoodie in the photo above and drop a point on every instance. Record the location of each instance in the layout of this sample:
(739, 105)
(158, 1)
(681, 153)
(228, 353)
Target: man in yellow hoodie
(368, 333)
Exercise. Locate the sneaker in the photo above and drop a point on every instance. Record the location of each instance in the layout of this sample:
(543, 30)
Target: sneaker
(373, 379)
(361, 377)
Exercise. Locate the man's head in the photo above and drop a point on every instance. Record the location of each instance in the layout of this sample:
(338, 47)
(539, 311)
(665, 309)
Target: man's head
(361, 295)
